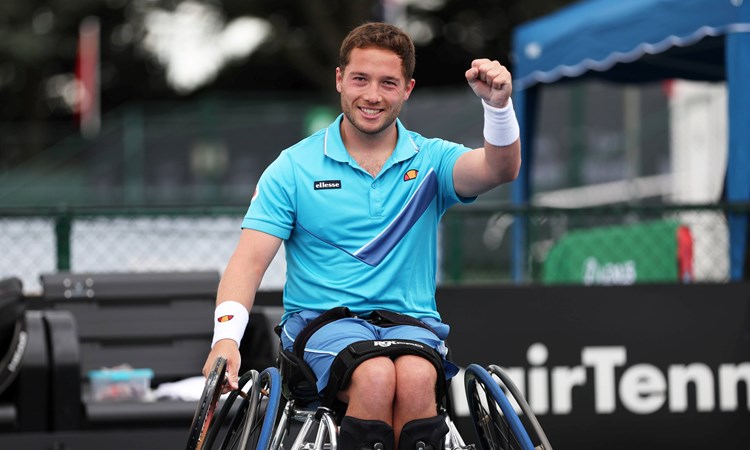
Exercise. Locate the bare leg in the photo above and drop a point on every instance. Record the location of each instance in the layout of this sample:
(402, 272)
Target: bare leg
(372, 390)
(415, 391)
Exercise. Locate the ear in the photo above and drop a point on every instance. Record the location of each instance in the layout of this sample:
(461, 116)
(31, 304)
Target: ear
(409, 87)
(339, 78)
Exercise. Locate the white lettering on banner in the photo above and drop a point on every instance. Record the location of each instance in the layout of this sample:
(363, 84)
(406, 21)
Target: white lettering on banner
(619, 273)
(643, 389)
(640, 388)
(729, 376)
(604, 360)
(538, 378)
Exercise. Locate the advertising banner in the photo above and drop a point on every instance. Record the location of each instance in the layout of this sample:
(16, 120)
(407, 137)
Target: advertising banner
(643, 366)
(621, 255)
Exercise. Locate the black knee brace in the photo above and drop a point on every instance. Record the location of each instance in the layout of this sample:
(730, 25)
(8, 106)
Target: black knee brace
(423, 434)
(359, 434)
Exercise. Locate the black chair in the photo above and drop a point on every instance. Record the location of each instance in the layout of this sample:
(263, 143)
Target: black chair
(24, 363)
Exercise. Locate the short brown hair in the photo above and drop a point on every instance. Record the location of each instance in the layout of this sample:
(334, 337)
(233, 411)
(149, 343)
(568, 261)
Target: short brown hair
(380, 35)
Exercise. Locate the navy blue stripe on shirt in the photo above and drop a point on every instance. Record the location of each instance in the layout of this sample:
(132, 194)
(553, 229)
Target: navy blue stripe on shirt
(375, 251)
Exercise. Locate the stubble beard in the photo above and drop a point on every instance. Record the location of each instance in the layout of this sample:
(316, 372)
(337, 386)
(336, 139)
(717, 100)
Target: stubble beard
(350, 113)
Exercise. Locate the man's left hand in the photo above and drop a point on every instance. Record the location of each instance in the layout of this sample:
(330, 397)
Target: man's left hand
(491, 81)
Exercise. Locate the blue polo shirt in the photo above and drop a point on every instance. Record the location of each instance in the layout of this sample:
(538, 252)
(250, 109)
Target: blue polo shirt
(351, 239)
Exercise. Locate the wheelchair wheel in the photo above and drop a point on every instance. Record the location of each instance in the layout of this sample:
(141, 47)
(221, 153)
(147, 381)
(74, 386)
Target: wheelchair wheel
(534, 428)
(244, 413)
(261, 414)
(207, 405)
(497, 425)
(251, 426)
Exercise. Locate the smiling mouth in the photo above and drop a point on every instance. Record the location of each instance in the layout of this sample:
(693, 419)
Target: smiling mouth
(369, 111)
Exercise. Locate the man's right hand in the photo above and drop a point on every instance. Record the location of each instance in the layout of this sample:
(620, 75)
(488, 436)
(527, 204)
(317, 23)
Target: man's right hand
(229, 350)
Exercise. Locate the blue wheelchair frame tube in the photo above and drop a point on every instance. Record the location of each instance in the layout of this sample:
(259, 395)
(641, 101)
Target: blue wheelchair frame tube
(272, 407)
(475, 372)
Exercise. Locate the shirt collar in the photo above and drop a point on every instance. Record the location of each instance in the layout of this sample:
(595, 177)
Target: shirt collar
(333, 145)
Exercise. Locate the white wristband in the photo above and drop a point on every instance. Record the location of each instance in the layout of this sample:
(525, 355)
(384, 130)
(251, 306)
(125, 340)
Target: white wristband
(230, 321)
(500, 124)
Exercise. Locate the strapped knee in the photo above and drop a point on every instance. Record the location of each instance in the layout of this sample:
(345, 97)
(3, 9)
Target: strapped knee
(360, 434)
(423, 434)
(354, 354)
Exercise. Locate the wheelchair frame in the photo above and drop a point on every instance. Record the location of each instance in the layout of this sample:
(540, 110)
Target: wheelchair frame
(260, 423)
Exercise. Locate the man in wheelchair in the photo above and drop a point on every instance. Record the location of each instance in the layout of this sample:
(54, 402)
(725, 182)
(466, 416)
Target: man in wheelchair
(357, 206)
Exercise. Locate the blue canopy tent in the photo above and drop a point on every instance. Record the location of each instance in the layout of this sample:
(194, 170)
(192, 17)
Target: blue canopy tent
(636, 41)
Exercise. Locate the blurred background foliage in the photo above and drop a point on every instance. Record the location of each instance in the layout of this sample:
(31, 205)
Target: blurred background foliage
(179, 49)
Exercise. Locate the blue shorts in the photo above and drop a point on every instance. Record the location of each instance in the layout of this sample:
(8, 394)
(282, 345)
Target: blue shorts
(328, 341)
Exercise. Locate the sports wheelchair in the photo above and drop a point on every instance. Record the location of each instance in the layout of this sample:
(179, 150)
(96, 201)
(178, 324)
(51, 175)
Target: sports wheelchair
(285, 412)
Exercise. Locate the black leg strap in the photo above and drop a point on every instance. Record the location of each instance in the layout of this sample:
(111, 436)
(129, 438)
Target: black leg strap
(423, 434)
(360, 434)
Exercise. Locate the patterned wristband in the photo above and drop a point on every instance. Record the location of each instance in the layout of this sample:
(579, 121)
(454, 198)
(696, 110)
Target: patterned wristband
(230, 321)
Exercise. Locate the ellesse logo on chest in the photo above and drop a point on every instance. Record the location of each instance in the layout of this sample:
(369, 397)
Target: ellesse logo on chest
(327, 184)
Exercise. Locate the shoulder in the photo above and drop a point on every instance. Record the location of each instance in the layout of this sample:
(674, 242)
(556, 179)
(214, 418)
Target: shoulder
(303, 152)
(433, 146)
(315, 140)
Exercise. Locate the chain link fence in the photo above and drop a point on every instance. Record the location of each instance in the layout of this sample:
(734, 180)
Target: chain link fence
(28, 248)
(127, 240)
(612, 245)
(602, 245)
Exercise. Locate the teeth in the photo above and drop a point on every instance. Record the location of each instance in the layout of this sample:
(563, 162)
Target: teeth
(369, 111)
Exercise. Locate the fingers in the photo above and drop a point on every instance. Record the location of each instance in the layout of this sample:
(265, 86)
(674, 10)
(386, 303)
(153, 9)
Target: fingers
(490, 80)
(209, 365)
(228, 349)
(492, 73)
(232, 376)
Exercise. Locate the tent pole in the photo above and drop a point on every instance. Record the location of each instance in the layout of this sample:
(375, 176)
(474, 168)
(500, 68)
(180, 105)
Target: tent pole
(738, 165)
(524, 102)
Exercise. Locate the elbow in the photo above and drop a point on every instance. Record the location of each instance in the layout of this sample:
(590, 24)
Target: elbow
(514, 171)
(508, 166)
(514, 167)
(506, 174)
(510, 171)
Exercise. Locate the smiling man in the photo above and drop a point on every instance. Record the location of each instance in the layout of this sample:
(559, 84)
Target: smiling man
(358, 206)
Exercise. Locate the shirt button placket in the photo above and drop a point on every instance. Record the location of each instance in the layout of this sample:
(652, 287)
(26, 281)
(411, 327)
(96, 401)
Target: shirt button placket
(376, 204)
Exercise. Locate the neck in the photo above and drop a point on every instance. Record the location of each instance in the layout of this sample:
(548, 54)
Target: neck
(370, 151)
(356, 140)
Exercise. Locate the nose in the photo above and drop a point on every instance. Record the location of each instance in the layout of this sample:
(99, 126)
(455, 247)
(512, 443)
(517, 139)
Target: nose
(372, 93)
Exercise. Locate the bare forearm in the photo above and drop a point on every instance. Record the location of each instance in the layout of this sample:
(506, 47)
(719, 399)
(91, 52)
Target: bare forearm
(246, 267)
(239, 283)
(504, 162)
(486, 167)
(235, 298)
